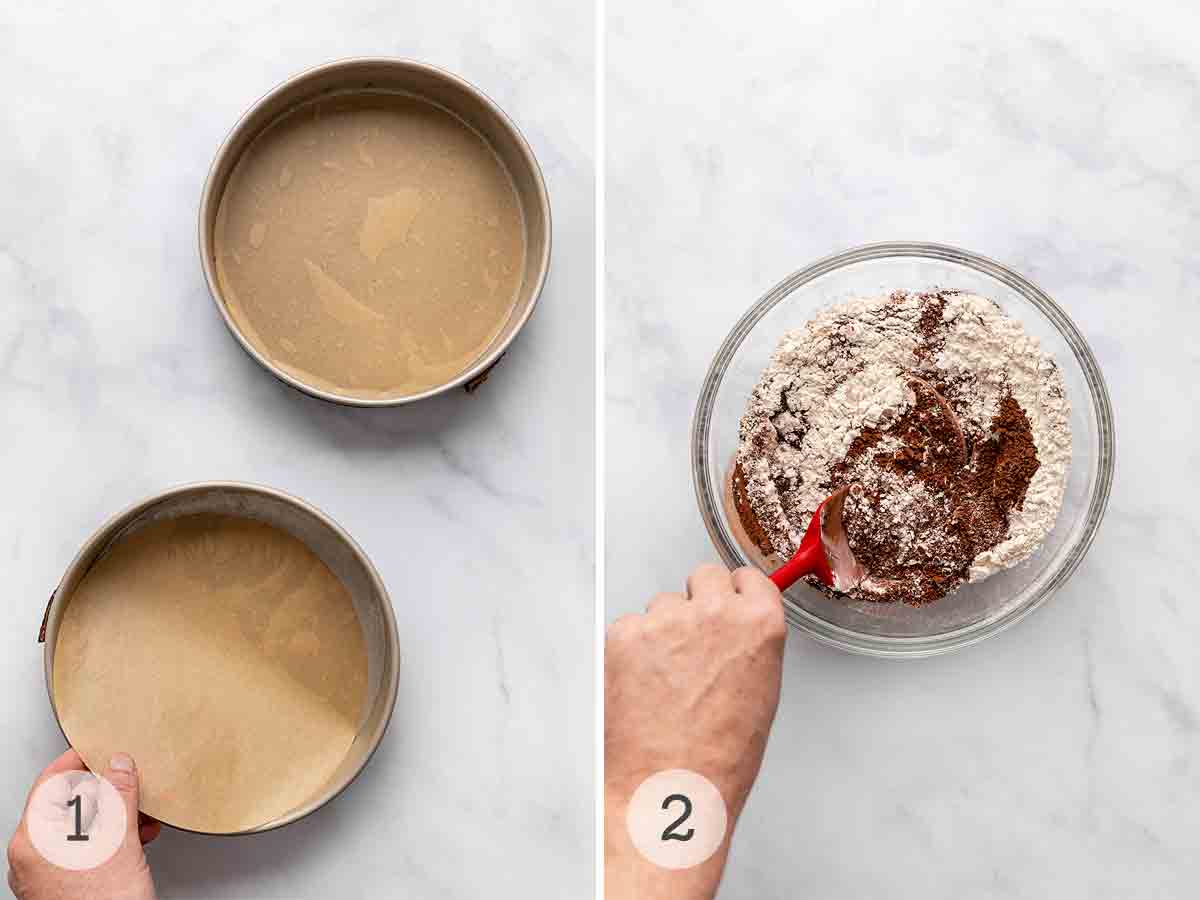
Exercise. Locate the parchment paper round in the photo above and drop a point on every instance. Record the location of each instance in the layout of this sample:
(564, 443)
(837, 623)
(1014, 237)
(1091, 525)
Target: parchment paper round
(221, 654)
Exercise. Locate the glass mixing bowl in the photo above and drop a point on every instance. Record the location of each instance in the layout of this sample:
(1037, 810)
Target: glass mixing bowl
(974, 611)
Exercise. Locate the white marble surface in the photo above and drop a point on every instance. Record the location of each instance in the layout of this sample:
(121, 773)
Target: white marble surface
(117, 379)
(1061, 758)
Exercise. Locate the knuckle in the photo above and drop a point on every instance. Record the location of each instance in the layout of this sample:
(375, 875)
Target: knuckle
(775, 620)
(707, 574)
(657, 619)
(750, 578)
(624, 628)
(765, 608)
(712, 606)
(661, 598)
(760, 593)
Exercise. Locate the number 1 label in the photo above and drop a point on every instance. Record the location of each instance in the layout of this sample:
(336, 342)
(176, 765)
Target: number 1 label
(78, 835)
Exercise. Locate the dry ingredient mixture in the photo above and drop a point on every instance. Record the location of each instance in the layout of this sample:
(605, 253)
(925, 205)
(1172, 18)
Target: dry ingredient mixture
(948, 418)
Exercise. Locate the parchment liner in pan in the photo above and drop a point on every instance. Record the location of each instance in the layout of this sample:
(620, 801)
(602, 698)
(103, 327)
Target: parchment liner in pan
(248, 664)
(375, 231)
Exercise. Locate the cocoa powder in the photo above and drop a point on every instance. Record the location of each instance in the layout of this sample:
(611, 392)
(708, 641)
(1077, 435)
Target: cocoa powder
(754, 529)
(921, 513)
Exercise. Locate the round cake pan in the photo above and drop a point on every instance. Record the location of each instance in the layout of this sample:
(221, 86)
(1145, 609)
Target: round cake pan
(320, 534)
(464, 100)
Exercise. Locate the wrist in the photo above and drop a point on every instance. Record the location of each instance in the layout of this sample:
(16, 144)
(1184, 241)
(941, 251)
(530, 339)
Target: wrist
(629, 875)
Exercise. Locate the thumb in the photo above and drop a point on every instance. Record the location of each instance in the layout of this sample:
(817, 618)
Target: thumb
(123, 775)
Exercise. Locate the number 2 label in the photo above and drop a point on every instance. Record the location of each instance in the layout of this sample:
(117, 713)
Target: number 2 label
(695, 810)
(669, 833)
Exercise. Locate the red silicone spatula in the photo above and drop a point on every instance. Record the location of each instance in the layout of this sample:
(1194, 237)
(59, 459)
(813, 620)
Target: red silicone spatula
(824, 551)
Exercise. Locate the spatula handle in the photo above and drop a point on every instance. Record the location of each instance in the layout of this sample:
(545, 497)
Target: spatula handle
(808, 561)
(809, 558)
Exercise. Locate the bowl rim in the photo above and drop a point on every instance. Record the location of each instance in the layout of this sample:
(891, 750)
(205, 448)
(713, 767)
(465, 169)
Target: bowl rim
(907, 647)
(210, 200)
(111, 529)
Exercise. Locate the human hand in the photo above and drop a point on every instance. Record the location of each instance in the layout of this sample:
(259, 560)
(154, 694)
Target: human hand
(691, 684)
(125, 876)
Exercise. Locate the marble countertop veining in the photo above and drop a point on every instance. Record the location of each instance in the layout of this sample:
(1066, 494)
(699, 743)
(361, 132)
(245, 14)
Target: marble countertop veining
(118, 378)
(1061, 758)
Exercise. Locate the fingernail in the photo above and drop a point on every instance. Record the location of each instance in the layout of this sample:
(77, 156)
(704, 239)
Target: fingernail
(121, 762)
